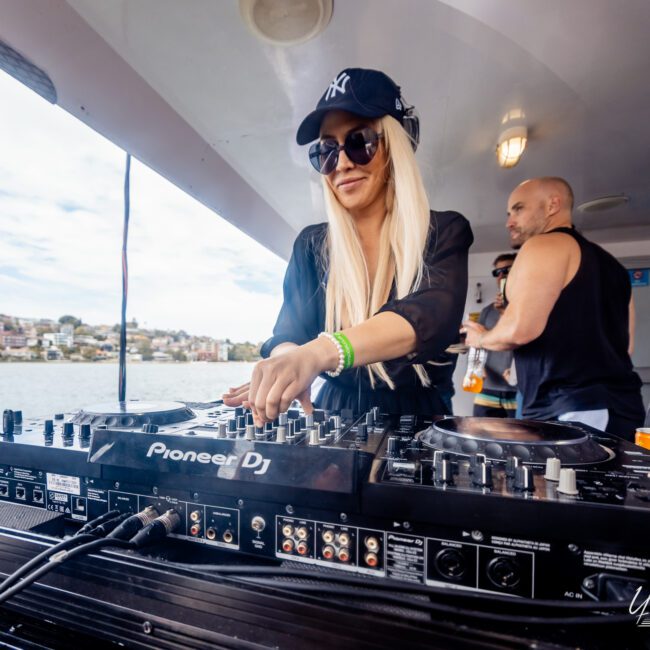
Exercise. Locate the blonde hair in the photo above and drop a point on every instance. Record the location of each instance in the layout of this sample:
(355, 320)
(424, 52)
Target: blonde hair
(350, 299)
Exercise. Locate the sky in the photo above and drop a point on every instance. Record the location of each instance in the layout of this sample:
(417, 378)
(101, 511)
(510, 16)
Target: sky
(61, 222)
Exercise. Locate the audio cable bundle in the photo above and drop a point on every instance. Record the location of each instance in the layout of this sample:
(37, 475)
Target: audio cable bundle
(112, 529)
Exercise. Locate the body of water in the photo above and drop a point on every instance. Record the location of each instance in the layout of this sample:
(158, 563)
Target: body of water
(42, 389)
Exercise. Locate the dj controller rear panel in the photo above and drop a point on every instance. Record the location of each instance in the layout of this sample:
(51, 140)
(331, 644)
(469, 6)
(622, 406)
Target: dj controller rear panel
(517, 508)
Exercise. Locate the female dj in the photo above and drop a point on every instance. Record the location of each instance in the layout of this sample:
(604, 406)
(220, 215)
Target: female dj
(373, 297)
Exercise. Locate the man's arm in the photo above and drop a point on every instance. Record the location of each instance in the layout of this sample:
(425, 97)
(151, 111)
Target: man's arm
(543, 267)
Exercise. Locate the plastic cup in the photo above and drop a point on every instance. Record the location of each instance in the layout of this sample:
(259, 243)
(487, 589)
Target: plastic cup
(642, 437)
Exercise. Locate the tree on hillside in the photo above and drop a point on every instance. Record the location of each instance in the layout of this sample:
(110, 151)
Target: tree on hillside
(69, 319)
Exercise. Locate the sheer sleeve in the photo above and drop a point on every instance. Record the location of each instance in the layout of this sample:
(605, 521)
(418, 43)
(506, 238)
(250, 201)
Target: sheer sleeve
(298, 318)
(435, 310)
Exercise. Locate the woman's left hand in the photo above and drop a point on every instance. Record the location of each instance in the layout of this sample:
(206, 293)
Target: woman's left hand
(277, 381)
(237, 396)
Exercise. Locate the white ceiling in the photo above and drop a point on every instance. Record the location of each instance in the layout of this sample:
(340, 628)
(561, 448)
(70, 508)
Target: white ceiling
(189, 90)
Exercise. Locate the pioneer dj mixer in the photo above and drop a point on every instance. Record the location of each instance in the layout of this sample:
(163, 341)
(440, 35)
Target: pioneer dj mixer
(529, 509)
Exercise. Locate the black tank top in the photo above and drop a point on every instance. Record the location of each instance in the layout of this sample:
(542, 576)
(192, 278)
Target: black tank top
(580, 361)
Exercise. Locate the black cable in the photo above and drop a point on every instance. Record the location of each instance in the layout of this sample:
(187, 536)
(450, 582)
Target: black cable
(463, 612)
(125, 281)
(91, 525)
(416, 590)
(82, 536)
(55, 560)
(11, 579)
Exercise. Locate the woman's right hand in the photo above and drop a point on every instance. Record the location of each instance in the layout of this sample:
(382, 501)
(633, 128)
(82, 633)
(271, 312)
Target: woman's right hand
(238, 396)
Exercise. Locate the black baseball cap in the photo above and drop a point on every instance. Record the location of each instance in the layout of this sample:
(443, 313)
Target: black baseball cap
(369, 93)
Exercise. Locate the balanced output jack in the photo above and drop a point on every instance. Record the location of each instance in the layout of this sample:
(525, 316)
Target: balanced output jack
(211, 534)
(228, 537)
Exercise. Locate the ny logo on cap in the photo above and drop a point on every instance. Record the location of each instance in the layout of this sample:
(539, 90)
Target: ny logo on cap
(338, 85)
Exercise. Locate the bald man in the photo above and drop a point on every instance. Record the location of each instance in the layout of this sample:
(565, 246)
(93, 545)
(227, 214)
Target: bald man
(569, 318)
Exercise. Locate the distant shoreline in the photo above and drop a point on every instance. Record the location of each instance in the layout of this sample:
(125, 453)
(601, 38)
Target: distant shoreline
(115, 362)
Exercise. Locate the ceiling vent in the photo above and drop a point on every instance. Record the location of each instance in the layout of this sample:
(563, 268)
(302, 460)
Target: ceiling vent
(286, 22)
(603, 203)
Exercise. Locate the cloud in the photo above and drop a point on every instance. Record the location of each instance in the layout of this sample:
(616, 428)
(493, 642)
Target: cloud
(61, 221)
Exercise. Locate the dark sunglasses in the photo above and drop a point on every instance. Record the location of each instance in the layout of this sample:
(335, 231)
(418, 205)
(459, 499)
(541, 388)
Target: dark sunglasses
(504, 270)
(360, 147)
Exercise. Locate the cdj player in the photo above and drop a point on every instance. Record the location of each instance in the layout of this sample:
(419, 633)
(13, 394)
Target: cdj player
(518, 508)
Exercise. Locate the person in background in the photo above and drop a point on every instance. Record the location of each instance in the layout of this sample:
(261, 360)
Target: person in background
(373, 297)
(569, 317)
(498, 398)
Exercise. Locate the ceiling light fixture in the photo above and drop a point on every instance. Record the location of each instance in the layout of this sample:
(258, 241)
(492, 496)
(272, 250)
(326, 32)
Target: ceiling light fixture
(286, 22)
(511, 145)
(603, 203)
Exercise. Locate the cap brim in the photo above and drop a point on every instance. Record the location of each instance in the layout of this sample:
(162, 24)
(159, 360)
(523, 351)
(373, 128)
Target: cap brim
(309, 130)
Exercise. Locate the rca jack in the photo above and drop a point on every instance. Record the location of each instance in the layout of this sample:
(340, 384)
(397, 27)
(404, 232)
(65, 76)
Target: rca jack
(287, 545)
(302, 532)
(371, 559)
(287, 530)
(328, 552)
(343, 554)
(328, 536)
(302, 548)
(344, 539)
(195, 529)
(372, 544)
(195, 515)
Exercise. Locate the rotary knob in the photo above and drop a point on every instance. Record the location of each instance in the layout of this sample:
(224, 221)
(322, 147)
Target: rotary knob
(475, 461)
(512, 462)
(391, 447)
(482, 475)
(8, 422)
(524, 479)
(567, 482)
(443, 469)
(553, 466)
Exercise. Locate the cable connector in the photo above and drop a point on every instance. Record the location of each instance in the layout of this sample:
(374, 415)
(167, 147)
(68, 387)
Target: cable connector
(108, 526)
(91, 525)
(134, 523)
(157, 529)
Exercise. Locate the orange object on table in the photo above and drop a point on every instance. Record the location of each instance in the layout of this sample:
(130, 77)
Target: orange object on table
(642, 437)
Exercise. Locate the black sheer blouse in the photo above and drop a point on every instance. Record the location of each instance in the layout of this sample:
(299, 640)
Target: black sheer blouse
(435, 311)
